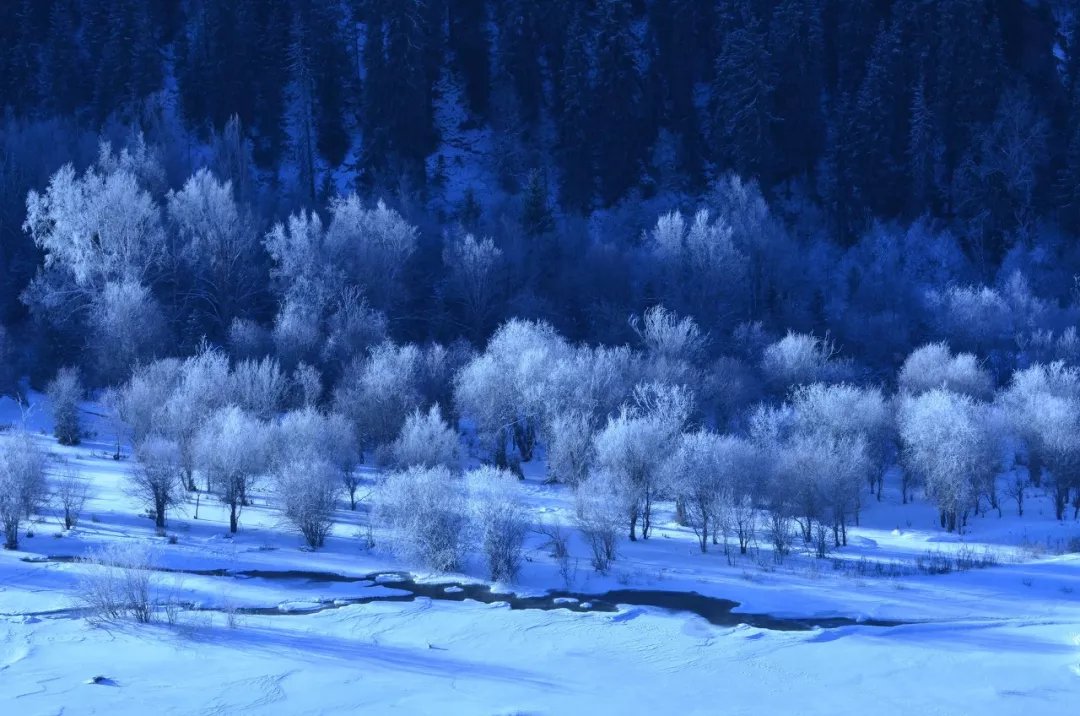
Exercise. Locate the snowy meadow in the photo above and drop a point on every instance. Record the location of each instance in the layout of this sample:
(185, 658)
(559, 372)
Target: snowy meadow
(486, 593)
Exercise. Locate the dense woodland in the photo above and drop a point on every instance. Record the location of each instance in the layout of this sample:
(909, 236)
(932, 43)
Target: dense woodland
(748, 255)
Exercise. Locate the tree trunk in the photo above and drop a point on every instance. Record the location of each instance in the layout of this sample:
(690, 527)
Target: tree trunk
(1061, 498)
(234, 517)
(1034, 468)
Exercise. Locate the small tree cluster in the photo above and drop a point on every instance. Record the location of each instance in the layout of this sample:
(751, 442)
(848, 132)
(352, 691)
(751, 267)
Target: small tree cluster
(22, 483)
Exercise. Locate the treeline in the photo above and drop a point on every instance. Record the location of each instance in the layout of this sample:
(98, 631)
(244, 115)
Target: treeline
(131, 269)
(842, 114)
(788, 449)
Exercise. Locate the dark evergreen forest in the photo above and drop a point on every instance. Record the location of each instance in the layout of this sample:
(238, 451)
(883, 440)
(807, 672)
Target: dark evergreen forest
(883, 173)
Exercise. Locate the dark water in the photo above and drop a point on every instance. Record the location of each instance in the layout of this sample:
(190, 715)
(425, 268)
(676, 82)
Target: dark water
(716, 611)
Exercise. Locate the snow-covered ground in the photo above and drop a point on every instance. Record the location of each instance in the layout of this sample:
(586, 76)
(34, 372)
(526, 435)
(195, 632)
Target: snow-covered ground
(1004, 639)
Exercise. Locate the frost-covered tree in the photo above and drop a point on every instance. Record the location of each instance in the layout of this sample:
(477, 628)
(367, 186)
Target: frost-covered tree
(259, 387)
(799, 359)
(701, 270)
(471, 281)
(707, 473)
(101, 226)
(934, 366)
(308, 435)
(594, 381)
(231, 451)
(632, 448)
(426, 440)
(218, 250)
(352, 328)
(141, 401)
(949, 442)
(847, 411)
(126, 328)
(820, 474)
(202, 387)
(600, 517)
(65, 391)
(503, 389)
(307, 490)
(99, 230)
(157, 479)
(674, 347)
(498, 518)
(425, 514)
(665, 334)
(1042, 405)
(373, 247)
(570, 447)
(22, 482)
(306, 386)
(378, 392)
(69, 494)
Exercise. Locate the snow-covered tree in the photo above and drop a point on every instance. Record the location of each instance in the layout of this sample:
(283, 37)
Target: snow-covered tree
(503, 389)
(632, 447)
(799, 359)
(372, 246)
(202, 387)
(307, 387)
(847, 411)
(949, 442)
(498, 518)
(471, 282)
(378, 392)
(126, 328)
(157, 480)
(142, 400)
(69, 494)
(570, 447)
(22, 483)
(821, 474)
(1042, 405)
(600, 516)
(674, 347)
(934, 366)
(231, 451)
(259, 387)
(707, 474)
(308, 435)
(425, 514)
(426, 440)
(101, 226)
(665, 334)
(307, 490)
(65, 391)
(352, 328)
(218, 248)
(702, 271)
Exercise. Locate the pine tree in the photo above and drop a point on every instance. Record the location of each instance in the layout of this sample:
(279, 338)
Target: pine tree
(575, 147)
(61, 85)
(301, 111)
(742, 103)
(879, 136)
(536, 218)
(472, 47)
(620, 137)
(796, 50)
(924, 153)
(520, 52)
